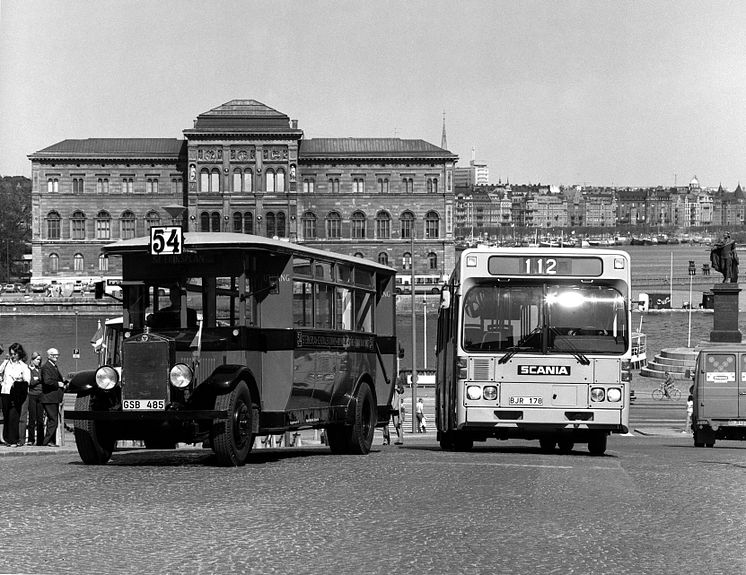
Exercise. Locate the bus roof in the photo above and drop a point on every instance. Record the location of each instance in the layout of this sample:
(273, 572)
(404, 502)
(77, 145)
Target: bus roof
(227, 241)
(545, 251)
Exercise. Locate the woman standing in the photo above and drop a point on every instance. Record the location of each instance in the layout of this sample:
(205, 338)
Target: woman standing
(13, 391)
(35, 409)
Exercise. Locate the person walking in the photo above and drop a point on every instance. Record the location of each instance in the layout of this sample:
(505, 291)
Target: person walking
(35, 410)
(15, 378)
(395, 417)
(52, 390)
(420, 413)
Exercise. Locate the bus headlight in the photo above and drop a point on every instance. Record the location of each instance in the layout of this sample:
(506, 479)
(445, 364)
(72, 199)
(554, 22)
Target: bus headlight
(490, 392)
(106, 378)
(180, 375)
(614, 394)
(474, 392)
(597, 394)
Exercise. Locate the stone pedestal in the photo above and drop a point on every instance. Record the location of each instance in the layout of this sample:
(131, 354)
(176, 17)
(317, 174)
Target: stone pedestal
(725, 321)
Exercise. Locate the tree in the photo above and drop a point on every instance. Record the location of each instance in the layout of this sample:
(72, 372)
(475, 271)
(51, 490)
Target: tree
(15, 223)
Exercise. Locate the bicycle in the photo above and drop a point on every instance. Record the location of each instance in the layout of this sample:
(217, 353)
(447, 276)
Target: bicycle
(674, 393)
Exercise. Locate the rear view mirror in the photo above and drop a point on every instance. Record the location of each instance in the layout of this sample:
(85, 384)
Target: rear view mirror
(445, 298)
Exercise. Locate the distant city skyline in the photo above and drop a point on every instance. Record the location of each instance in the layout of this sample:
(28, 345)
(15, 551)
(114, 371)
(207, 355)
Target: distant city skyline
(641, 94)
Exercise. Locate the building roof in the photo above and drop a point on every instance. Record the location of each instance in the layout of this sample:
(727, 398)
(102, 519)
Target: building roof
(317, 148)
(242, 116)
(130, 148)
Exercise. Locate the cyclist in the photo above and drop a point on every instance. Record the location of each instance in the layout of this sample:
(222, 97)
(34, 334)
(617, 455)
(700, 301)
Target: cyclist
(668, 384)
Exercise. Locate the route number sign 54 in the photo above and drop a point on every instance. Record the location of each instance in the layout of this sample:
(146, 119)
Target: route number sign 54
(166, 240)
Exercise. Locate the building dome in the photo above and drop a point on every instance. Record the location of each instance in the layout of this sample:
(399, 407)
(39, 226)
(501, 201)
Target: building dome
(694, 183)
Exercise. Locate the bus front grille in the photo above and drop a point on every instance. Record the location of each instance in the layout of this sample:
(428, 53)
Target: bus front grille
(146, 361)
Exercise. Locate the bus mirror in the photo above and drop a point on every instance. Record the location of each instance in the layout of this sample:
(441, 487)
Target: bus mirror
(98, 290)
(445, 298)
(688, 374)
(401, 351)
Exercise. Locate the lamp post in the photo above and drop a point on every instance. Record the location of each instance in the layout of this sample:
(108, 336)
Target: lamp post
(175, 211)
(424, 332)
(414, 333)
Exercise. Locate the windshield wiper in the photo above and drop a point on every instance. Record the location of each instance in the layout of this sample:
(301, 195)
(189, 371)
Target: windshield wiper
(577, 354)
(510, 352)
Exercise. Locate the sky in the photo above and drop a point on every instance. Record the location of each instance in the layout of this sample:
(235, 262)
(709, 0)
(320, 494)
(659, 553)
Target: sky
(642, 93)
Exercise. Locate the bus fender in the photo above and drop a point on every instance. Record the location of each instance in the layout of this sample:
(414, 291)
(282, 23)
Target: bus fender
(347, 412)
(225, 377)
(82, 382)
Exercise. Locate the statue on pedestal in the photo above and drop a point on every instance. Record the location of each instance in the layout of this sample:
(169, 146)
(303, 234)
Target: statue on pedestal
(724, 258)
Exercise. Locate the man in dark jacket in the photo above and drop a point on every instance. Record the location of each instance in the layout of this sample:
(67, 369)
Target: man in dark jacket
(52, 390)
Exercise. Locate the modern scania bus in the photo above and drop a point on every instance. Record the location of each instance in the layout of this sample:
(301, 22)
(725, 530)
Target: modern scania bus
(228, 336)
(534, 343)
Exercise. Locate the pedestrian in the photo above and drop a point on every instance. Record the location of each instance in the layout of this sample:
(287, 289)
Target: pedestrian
(35, 424)
(395, 417)
(689, 413)
(420, 413)
(52, 392)
(15, 379)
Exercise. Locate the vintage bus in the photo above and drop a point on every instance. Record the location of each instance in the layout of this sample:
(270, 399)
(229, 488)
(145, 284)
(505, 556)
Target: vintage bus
(534, 343)
(232, 336)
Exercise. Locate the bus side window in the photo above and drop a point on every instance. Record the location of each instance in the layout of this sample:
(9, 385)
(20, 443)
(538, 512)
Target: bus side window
(302, 303)
(323, 306)
(343, 308)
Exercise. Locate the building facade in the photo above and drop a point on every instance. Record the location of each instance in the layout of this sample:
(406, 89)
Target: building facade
(244, 167)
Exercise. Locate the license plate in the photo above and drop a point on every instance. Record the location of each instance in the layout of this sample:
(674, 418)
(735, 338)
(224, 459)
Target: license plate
(737, 422)
(143, 404)
(526, 400)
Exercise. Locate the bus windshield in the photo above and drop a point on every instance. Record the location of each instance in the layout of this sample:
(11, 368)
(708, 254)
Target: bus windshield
(545, 318)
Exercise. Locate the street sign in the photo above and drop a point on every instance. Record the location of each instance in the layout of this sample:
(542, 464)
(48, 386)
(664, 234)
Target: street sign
(166, 240)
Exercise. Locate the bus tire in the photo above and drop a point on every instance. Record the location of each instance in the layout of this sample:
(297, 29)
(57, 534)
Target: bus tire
(547, 444)
(360, 437)
(336, 438)
(94, 447)
(565, 446)
(597, 443)
(232, 438)
(462, 441)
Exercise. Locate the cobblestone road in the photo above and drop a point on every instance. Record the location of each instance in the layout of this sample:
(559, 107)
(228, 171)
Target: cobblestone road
(651, 505)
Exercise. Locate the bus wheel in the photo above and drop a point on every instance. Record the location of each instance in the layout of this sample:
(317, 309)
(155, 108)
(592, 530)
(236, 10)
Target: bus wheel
(565, 446)
(360, 437)
(232, 437)
(336, 437)
(547, 444)
(446, 441)
(94, 446)
(597, 443)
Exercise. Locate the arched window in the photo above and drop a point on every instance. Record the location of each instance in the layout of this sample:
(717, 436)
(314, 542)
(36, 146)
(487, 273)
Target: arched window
(432, 261)
(308, 184)
(280, 226)
(435, 185)
(128, 225)
(54, 263)
(408, 185)
(102, 186)
(270, 181)
(215, 222)
(215, 181)
(383, 259)
(151, 186)
(358, 186)
(53, 185)
(128, 185)
(270, 218)
(333, 225)
(248, 181)
(152, 218)
(103, 263)
(334, 185)
(237, 180)
(432, 225)
(406, 261)
(358, 225)
(383, 225)
(204, 222)
(78, 185)
(53, 226)
(177, 186)
(248, 223)
(103, 225)
(309, 225)
(77, 225)
(359, 255)
(78, 263)
(407, 225)
(204, 180)
(237, 222)
(280, 180)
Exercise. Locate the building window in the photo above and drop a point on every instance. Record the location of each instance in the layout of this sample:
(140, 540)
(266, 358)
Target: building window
(54, 263)
(53, 226)
(128, 185)
(215, 181)
(407, 225)
(237, 180)
(270, 218)
(432, 185)
(204, 222)
(102, 186)
(358, 225)
(128, 223)
(408, 185)
(204, 180)
(151, 186)
(103, 226)
(270, 180)
(333, 225)
(309, 225)
(53, 185)
(215, 222)
(358, 186)
(406, 261)
(280, 180)
(77, 185)
(308, 185)
(383, 259)
(280, 229)
(248, 181)
(334, 185)
(78, 263)
(248, 223)
(237, 222)
(77, 226)
(383, 226)
(103, 263)
(432, 261)
(177, 186)
(152, 218)
(432, 224)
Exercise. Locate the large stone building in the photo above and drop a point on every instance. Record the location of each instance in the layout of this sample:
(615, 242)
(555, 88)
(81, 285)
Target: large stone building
(244, 167)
